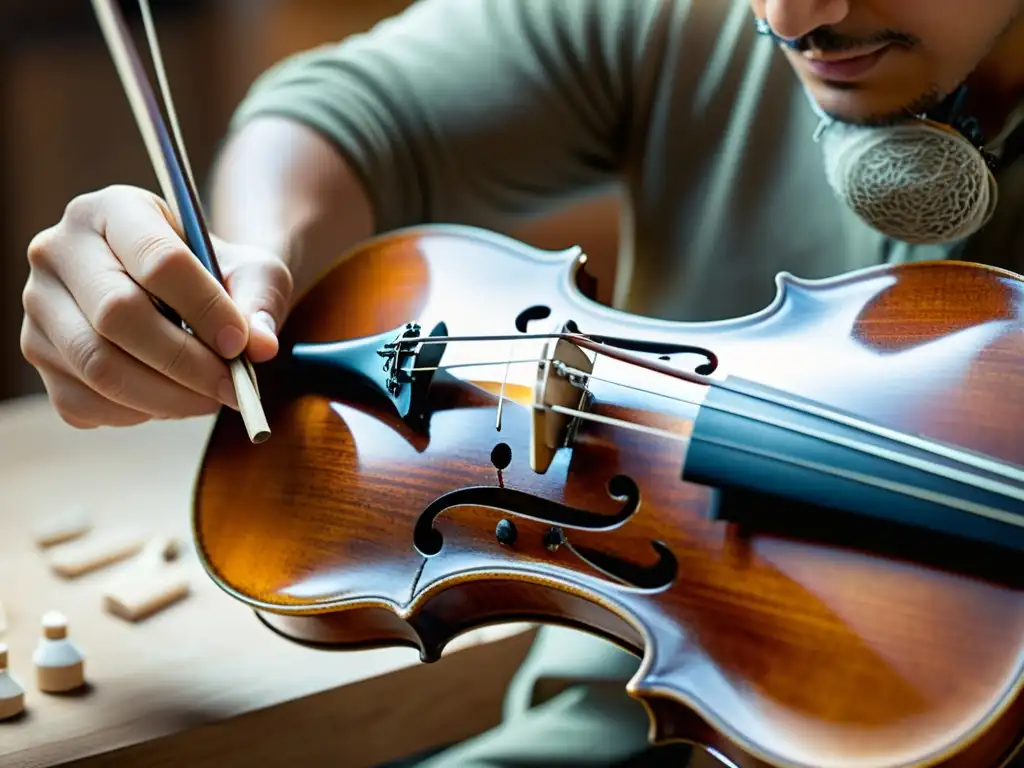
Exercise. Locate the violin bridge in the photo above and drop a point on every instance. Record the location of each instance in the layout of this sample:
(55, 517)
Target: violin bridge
(561, 381)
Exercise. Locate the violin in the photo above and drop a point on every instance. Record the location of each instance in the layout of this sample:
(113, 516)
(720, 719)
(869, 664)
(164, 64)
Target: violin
(806, 522)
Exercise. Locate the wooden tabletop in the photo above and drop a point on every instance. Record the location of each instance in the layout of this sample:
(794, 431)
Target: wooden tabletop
(200, 661)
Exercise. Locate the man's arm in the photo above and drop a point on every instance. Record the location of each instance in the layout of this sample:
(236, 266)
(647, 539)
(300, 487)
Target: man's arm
(479, 111)
(282, 186)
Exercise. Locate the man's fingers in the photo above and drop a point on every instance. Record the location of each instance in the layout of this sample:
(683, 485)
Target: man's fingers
(159, 260)
(74, 402)
(261, 287)
(83, 408)
(121, 312)
(105, 368)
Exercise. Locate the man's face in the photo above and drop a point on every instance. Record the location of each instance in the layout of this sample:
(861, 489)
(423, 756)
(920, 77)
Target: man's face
(875, 61)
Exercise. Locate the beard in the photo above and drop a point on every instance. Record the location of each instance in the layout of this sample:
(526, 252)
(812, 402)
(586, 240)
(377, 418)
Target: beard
(929, 100)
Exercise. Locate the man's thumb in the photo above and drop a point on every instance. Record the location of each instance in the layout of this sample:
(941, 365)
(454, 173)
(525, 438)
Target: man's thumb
(261, 288)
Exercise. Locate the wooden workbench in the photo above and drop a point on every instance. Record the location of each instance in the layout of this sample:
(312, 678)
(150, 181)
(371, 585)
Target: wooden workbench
(204, 681)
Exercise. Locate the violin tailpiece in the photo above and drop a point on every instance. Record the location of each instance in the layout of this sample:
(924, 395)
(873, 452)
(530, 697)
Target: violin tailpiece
(393, 364)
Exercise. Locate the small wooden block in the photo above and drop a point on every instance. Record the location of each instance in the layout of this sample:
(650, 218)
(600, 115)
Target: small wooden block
(94, 552)
(65, 526)
(145, 591)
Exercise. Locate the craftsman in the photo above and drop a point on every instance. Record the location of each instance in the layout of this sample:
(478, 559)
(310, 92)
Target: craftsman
(747, 137)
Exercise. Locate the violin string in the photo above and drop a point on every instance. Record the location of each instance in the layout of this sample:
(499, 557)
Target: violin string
(562, 367)
(612, 421)
(928, 467)
(599, 344)
(929, 445)
(982, 510)
(950, 473)
(416, 340)
(504, 381)
(475, 363)
(936, 447)
(932, 468)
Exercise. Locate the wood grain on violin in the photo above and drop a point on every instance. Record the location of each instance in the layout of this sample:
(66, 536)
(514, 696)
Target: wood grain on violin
(829, 594)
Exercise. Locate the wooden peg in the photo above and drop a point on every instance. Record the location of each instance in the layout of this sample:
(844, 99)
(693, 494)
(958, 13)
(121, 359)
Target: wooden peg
(94, 552)
(64, 526)
(12, 694)
(60, 664)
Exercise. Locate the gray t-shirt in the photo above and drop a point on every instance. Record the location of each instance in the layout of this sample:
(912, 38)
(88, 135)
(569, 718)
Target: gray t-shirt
(489, 112)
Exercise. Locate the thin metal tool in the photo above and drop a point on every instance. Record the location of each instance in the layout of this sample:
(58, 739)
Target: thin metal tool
(174, 174)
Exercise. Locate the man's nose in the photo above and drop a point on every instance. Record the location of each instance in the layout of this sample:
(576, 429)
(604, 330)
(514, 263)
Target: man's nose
(792, 19)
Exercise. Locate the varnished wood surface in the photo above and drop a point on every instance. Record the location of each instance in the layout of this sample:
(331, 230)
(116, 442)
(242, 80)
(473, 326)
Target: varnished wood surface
(789, 653)
(204, 662)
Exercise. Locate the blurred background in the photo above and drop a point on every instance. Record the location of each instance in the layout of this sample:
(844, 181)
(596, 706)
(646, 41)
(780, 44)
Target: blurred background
(66, 127)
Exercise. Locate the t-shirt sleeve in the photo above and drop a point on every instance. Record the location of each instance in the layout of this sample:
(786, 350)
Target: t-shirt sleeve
(479, 111)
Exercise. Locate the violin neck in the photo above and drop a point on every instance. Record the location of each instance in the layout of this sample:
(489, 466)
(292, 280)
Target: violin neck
(790, 461)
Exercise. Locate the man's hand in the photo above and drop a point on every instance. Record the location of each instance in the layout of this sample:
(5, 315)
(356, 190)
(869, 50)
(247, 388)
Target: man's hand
(105, 353)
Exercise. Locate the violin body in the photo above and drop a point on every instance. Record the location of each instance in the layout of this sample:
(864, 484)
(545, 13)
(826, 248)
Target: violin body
(395, 510)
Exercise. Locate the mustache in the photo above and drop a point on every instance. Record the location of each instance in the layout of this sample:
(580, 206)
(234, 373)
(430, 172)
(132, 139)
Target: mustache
(827, 40)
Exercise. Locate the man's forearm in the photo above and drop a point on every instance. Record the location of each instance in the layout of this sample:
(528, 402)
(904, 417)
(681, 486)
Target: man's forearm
(520, 130)
(280, 185)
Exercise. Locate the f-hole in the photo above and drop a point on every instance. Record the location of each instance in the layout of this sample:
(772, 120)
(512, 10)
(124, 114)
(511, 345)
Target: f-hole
(528, 315)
